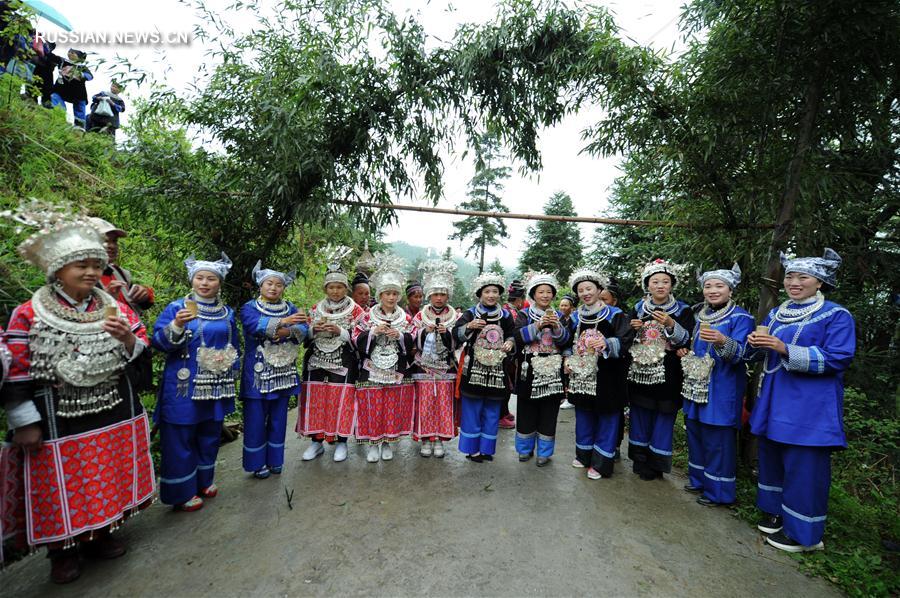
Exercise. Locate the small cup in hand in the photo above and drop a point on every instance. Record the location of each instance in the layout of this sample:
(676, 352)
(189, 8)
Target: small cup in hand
(761, 329)
(111, 311)
(191, 306)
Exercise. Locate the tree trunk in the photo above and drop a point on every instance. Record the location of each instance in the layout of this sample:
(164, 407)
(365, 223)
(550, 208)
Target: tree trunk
(481, 261)
(785, 219)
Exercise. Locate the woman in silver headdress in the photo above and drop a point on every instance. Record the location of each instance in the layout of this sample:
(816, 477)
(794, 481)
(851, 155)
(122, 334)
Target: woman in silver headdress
(78, 360)
(487, 330)
(199, 336)
(273, 329)
(330, 369)
(663, 325)
(385, 396)
(434, 367)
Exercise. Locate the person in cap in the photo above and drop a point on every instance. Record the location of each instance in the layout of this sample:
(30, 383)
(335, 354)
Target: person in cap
(70, 85)
(273, 329)
(488, 332)
(414, 297)
(77, 358)
(361, 290)
(199, 337)
(540, 338)
(715, 379)
(385, 395)
(434, 366)
(596, 367)
(330, 368)
(117, 280)
(663, 325)
(798, 416)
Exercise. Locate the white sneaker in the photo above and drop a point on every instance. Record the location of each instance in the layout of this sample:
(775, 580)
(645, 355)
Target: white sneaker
(386, 452)
(340, 452)
(593, 474)
(374, 454)
(426, 449)
(566, 404)
(578, 464)
(314, 450)
(439, 449)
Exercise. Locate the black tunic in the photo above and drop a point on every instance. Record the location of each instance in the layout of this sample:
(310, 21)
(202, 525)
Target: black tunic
(612, 387)
(508, 326)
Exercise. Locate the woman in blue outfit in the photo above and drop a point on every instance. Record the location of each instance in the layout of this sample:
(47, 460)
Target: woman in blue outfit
(541, 338)
(273, 330)
(715, 378)
(663, 325)
(798, 414)
(199, 337)
(487, 330)
(597, 371)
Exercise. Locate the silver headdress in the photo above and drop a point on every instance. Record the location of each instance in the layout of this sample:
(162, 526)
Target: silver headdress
(730, 277)
(61, 238)
(439, 277)
(260, 274)
(534, 279)
(389, 273)
(218, 267)
(486, 279)
(334, 272)
(824, 268)
(587, 274)
(675, 271)
(366, 262)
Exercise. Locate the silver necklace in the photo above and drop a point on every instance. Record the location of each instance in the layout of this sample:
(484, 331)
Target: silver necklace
(789, 315)
(707, 314)
(669, 306)
(429, 317)
(209, 311)
(279, 309)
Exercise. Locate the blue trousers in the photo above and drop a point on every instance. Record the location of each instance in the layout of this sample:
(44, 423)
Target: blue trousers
(650, 440)
(265, 425)
(479, 422)
(793, 483)
(188, 462)
(536, 424)
(596, 437)
(78, 108)
(712, 460)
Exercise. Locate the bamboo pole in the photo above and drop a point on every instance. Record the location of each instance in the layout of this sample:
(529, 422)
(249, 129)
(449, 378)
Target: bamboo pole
(548, 217)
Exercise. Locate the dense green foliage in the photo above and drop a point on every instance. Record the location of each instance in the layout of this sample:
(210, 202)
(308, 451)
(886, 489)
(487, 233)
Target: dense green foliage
(553, 246)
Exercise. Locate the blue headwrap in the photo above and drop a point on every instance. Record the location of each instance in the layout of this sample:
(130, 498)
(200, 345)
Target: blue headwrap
(730, 277)
(219, 267)
(260, 274)
(823, 268)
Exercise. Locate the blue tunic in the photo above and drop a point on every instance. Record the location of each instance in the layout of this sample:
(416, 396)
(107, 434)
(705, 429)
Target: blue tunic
(728, 379)
(259, 327)
(801, 400)
(175, 408)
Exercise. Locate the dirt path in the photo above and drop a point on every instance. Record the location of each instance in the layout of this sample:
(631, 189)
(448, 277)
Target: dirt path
(447, 527)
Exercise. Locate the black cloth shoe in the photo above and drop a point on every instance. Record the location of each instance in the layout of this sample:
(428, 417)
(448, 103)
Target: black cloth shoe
(487, 457)
(648, 476)
(769, 524)
(64, 565)
(475, 458)
(523, 457)
(693, 489)
(542, 461)
(781, 541)
(702, 500)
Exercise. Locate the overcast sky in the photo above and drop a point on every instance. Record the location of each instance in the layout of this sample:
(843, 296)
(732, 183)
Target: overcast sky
(585, 178)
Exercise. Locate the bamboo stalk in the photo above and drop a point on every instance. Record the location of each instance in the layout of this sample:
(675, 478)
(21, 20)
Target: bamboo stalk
(547, 217)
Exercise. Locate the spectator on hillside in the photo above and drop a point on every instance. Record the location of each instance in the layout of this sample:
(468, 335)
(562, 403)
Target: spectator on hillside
(70, 85)
(105, 110)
